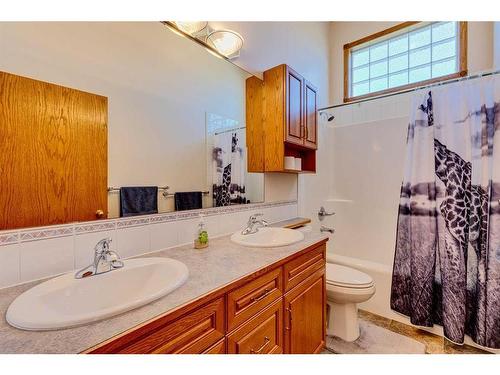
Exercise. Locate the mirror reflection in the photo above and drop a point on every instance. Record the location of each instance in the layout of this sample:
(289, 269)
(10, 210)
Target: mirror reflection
(170, 123)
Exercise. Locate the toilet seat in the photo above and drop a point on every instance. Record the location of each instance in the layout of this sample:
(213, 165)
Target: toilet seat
(346, 277)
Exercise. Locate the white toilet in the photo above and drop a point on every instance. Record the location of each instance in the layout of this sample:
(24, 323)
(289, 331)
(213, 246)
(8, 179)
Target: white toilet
(345, 288)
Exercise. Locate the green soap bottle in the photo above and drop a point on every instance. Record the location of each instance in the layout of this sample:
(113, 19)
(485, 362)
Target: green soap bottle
(201, 240)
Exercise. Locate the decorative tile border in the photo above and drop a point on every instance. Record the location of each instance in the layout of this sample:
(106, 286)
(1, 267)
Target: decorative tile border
(163, 218)
(129, 222)
(100, 226)
(46, 233)
(9, 238)
(43, 233)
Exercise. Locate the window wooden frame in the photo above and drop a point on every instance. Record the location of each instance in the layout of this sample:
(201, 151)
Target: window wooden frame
(462, 61)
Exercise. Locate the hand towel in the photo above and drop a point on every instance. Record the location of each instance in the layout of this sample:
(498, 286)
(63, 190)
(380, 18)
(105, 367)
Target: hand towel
(138, 200)
(189, 200)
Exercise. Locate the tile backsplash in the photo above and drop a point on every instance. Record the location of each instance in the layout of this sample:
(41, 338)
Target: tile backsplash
(36, 253)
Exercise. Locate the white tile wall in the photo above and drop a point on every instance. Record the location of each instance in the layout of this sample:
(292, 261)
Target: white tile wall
(163, 235)
(46, 257)
(27, 255)
(132, 241)
(9, 263)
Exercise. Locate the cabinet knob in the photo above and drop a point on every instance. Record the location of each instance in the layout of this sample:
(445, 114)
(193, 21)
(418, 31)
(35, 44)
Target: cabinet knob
(99, 214)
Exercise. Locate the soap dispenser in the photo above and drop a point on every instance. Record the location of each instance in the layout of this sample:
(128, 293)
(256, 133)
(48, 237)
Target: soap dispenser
(201, 239)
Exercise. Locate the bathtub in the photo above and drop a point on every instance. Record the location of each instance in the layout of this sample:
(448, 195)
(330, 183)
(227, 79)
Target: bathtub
(380, 302)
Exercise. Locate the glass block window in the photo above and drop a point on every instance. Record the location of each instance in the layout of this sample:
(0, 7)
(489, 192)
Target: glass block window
(411, 55)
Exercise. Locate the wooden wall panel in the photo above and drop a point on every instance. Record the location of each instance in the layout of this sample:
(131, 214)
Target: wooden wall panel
(53, 153)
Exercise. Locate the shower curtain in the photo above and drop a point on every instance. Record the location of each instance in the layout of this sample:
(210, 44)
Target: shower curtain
(229, 169)
(447, 261)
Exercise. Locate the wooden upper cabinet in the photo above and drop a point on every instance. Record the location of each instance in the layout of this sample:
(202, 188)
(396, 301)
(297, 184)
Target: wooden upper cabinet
(310, 115)
(294, 107)
(53, 153)
(284, 124)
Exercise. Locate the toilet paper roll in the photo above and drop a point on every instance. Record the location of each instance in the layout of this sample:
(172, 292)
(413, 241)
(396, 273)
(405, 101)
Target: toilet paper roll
(289, 162)
(298, 164)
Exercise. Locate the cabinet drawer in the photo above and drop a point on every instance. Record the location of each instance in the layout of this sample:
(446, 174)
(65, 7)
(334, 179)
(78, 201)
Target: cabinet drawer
(249, 299)
(218, 348)
(263, 334)
(194, 332)
(300, 268)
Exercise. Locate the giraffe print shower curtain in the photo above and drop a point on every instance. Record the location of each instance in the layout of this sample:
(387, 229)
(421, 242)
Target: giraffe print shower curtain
(447, 260)
(229, 169)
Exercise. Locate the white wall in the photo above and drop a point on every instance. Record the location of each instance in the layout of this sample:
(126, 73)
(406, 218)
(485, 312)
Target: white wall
(496, 45)
(159, 86)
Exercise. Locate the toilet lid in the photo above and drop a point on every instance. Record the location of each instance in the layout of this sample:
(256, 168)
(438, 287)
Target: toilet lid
(346, 276)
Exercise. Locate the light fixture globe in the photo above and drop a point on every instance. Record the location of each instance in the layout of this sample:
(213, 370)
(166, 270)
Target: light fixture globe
(227, 42)
(191, 28)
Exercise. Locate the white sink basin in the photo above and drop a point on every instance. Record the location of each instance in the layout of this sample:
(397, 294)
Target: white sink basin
(268, 237)
(65, 302)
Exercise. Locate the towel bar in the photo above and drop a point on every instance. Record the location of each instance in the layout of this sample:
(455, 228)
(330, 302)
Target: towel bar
(165, 193)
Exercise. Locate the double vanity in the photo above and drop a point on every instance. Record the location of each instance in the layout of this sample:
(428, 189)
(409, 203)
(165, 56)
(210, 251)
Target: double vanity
(249, 293)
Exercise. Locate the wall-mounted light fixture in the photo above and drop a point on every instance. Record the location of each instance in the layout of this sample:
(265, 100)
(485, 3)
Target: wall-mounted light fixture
(191, 28)
(226, 43)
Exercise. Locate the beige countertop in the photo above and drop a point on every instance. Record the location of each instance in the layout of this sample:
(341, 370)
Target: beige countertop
(209, 269)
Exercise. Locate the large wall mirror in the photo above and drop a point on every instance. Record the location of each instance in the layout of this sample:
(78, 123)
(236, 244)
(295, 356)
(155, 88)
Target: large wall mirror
(175, 118)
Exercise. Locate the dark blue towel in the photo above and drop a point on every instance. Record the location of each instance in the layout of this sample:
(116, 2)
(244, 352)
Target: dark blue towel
(189, 200)
(138, 200)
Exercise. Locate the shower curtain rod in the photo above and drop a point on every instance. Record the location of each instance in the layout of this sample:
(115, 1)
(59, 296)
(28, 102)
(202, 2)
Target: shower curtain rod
(442, 83)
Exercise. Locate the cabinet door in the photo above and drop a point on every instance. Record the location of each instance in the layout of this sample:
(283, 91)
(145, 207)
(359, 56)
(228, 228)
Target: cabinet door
(310, 116)
(305, 316)
(294, 107)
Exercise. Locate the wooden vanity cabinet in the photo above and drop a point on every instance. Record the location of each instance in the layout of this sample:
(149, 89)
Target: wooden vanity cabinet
(200, 330)
(279, 309)
(281, 117)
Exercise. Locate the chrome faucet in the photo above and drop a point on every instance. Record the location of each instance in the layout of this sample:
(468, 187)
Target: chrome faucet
(252, 224)
(105, 260)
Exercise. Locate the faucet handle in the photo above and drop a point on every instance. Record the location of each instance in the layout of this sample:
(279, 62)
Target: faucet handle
(103, 245)
(253, 218)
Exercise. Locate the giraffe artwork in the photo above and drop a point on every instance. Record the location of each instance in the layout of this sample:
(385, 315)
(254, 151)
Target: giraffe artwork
(446, 266)
(229, 170)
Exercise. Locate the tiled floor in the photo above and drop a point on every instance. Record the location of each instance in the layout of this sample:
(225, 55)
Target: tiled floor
(434, 344)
